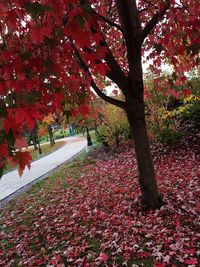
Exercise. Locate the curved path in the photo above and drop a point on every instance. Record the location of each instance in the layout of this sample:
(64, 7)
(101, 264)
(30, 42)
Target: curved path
(12, 182)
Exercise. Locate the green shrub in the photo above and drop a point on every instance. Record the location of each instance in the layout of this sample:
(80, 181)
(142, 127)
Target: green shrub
(190, 108)
(164, 123)
(169, 135)
(115, 128)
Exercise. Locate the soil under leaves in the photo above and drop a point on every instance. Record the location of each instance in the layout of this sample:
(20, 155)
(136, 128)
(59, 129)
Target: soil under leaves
(88, 214)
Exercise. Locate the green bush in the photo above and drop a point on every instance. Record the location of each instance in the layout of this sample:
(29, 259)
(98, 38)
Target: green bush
(59, 135)
(115, 128)
(190, 109)
(165, 114)
(169, 135)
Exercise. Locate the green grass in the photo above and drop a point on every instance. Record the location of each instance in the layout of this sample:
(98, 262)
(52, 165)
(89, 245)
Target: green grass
(48, 184)
(57, 135)
(46, 150)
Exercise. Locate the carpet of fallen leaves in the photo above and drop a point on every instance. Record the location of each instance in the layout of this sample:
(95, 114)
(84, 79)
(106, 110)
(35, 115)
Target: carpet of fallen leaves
(89, 215)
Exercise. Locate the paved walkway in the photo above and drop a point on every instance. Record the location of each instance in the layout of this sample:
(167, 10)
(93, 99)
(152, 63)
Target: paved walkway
(12, 182)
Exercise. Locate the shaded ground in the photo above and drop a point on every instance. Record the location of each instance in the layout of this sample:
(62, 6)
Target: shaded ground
(88, 214)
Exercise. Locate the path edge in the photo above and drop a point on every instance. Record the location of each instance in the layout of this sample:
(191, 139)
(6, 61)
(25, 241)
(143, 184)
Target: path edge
(7, 199)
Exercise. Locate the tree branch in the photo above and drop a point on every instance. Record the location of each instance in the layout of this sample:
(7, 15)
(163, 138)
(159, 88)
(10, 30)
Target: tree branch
(116, 74)
(148, 2)
(142, 10)
(111, 100)
(152, 23)
(84, 66)
(111, 23)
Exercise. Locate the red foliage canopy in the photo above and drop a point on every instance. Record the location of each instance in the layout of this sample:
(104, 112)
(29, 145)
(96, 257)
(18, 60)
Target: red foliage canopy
(51, 50)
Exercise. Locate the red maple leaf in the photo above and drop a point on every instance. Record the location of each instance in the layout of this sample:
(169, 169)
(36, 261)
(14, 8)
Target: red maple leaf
(20, 143)
(22, 159)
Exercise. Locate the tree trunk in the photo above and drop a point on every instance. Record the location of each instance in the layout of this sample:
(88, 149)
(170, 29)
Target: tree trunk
(34, 138)
(136, 117)
(51, 137)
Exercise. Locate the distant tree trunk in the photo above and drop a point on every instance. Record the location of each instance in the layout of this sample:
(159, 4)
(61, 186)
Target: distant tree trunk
(89, 140)
(34, 138)
(96, 128)
(51, 136)
(117, 142)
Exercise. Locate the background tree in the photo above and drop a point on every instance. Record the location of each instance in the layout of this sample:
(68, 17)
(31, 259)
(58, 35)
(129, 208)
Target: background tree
(50, 124)
(114, 128)
(48, 44)
(34, 137)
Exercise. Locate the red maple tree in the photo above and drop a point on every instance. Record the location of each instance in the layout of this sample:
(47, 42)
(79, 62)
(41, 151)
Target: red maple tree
(51, 50)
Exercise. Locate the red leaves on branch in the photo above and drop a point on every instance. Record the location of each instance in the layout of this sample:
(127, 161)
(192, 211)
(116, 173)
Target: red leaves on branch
(39, 68)
(38, 34)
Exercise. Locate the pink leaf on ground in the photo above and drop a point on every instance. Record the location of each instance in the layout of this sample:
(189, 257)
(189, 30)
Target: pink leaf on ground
(103, 257)
(191, 261)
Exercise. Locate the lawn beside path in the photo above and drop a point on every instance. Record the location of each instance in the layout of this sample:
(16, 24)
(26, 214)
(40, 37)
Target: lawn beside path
(34, 153)
(11, 184)
(88, 214)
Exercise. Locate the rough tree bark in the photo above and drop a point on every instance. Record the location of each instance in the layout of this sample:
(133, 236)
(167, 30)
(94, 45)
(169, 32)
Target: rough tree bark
(147, 177)
(134, 36)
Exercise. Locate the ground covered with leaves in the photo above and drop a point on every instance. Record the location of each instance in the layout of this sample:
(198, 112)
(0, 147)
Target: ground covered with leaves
(88, 214)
